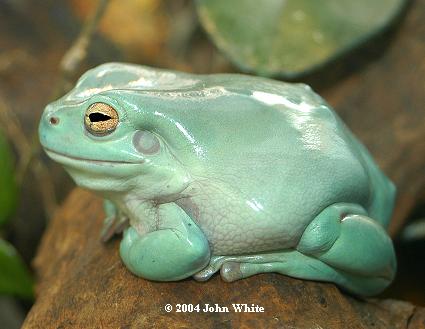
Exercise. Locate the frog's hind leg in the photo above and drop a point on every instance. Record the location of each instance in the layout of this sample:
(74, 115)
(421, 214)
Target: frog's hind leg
(340, 245)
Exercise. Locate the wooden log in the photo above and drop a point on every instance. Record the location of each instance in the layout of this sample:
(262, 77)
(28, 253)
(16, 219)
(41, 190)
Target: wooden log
(83, 284)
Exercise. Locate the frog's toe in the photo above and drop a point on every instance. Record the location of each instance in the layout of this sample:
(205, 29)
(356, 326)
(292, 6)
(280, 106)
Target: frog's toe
(231, 271)
(205, 274)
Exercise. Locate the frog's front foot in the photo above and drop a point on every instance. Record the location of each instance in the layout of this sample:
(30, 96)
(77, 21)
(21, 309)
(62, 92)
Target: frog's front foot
(173, 252)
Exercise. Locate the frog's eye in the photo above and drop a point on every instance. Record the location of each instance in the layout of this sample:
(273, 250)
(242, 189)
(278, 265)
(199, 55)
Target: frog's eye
(100, 119)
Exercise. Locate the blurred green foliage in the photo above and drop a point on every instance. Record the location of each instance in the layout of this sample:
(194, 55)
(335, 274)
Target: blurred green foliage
(8, 188)
(290, 38)
(14, 276)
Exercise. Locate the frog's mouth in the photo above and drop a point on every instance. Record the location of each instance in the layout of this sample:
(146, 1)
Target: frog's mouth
(67, 159)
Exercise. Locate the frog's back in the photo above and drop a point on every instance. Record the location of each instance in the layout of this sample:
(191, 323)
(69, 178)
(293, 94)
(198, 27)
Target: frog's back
(240, 130)
(311, 129)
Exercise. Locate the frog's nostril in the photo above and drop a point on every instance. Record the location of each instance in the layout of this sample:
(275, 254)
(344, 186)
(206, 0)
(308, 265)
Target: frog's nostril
(54, 120)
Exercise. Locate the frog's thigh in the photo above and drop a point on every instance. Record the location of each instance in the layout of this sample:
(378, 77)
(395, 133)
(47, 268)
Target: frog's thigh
(350, 241)
(175, 251)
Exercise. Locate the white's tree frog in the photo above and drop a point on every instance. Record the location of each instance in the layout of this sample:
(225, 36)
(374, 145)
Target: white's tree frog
(225, 172)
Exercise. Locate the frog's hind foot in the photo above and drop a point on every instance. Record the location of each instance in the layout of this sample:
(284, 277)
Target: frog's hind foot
(214, 266)
(294, 264)
(338, 246)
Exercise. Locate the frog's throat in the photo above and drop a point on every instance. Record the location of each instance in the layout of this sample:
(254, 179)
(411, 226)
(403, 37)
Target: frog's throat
(62, 157)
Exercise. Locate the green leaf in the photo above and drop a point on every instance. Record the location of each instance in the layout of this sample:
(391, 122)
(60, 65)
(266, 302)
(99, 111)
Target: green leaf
(292, 37)
(8, 188)
(14, 276)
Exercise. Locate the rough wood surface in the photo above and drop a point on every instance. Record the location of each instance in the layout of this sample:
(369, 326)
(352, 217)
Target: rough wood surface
(84, 285)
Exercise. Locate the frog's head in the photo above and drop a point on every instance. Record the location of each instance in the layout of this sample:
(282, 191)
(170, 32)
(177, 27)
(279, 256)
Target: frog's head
(98, 133)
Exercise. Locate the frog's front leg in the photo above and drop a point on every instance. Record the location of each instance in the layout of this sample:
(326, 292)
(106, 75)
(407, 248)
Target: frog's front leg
(176, 250)
(115, 221)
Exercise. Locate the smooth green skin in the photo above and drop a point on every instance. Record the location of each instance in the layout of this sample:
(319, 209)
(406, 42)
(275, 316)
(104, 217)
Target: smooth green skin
(251, 175)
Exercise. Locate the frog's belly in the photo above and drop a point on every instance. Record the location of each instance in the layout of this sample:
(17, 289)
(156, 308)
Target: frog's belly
(250, 237)
(249, 241)
(236, 229)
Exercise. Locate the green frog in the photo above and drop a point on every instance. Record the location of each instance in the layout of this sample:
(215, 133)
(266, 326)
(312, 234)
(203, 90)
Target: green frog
(224, 172)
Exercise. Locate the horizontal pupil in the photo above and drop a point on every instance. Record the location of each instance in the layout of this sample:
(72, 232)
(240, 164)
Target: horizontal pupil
(98, 117)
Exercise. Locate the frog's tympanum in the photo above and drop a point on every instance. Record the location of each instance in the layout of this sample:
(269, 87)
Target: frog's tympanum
(224, 172)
